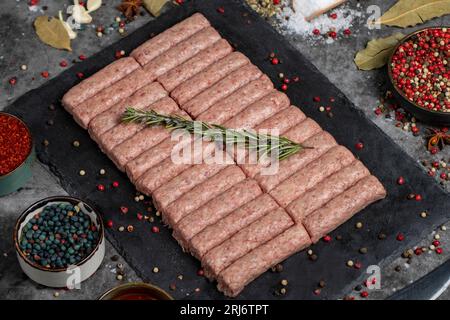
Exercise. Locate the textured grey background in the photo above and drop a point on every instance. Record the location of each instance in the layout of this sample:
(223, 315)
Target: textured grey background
(19, 45)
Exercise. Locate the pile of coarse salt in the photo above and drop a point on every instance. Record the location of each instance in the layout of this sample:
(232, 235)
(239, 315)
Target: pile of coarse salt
(331, 25)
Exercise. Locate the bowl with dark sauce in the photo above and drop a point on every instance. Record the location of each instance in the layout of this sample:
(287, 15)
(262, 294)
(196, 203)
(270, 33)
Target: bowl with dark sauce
(136, 291)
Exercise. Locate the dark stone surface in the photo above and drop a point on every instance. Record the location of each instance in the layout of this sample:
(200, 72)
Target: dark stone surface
(142, 249)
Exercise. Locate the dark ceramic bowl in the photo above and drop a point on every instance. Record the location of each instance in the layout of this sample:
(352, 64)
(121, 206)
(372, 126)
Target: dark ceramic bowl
(14, 180)
(425, 115)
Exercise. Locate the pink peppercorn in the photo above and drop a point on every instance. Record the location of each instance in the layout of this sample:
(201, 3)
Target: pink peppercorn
(100, 187)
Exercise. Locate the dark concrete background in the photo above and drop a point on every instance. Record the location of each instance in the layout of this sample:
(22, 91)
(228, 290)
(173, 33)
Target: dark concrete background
(19, 45)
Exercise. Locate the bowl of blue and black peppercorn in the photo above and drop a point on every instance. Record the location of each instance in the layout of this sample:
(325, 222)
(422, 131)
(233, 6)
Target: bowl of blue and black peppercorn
(59, 241)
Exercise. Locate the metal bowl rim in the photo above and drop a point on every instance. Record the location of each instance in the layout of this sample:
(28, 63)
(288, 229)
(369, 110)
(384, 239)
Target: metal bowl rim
(136, 284)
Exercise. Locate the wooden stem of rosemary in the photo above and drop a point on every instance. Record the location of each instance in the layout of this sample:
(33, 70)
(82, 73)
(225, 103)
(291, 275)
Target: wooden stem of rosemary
(263, 144)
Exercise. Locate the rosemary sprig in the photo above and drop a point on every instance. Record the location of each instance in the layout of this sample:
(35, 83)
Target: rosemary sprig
(264, 144)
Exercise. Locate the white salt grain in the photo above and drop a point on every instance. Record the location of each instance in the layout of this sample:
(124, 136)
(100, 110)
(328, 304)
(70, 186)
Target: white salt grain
(294, 22)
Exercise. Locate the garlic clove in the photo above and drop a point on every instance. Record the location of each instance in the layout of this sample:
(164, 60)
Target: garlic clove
(93, 5)
(72, 34)
(81, 15)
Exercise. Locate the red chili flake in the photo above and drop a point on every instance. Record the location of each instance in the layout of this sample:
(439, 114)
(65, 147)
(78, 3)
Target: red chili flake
(109, 224)
(82, 57)
(316, 99)
(316, 32)
(100, 187)
(44, 74)
(327, 238)
(115, 184)
(284, 87)
(80, 75)
(124, 209)
(275, 61)
(418, 197)
(400, 237)
(13, 81)
(63, 63)
(15, 143)
(436, 243)
(155, 229)
(364, 294)
(200, 272)
(333, 16)
(401, 181)
(347, 32)
(221, 10)
(439, 250)
(359, 146)
(418, 251)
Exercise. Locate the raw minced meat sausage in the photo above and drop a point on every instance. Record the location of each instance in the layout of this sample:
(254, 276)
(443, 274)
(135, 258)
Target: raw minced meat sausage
(175, 188)
(208, 77)
(104, 78)
(326, 190)
(112, 117)
(228, 107)
(233, 279)
(202, 193)
(108, 97)
(319, 144)
(217, 233)
(343, 207)
(182, 52)
(196, 64)
(122, 131)
(306, 178)
(215, 210)
(221, 89)
(167, 39)
(249, 238)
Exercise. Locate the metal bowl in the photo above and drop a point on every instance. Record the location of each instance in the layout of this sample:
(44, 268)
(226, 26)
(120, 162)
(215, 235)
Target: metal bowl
(136, 291)
(425, 115)
(14, 180)
(60, 277)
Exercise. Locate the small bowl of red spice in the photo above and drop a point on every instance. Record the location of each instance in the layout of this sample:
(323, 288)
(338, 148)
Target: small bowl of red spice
(16, 153)
(419, 72)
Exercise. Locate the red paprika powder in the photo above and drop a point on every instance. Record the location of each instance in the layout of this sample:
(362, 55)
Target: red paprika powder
(15, 143)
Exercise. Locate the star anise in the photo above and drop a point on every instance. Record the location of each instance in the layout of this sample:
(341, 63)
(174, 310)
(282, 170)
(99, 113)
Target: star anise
(437, 138)
(130, 8)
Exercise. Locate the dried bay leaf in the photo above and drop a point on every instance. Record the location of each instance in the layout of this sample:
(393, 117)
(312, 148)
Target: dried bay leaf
(408, 13)
(377, 52)
(51, 31)
(155, 6)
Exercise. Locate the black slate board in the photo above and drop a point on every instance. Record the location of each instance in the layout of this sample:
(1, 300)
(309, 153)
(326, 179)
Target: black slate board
(143, 249)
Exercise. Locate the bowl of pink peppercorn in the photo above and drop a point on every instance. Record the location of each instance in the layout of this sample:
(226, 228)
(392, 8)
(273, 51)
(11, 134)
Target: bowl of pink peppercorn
(419, 73)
